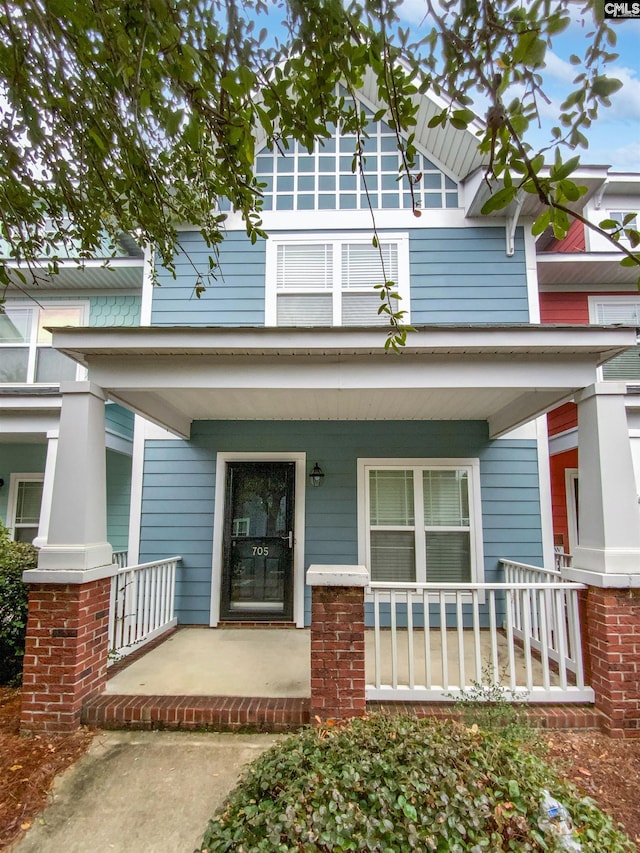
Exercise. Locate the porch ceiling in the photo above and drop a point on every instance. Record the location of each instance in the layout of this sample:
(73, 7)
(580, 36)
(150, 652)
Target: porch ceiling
(597, 268)
(504, 375)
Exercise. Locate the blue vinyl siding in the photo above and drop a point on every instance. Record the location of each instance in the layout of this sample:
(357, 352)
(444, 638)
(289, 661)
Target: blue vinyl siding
(457, 276)
(465, 276)
(236, 298)
(179, 489)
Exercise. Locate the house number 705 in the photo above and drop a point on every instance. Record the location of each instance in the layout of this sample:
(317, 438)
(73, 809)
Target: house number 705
(260, 550)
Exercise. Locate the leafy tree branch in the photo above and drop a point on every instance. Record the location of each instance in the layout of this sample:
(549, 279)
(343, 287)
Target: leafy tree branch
(138, 116)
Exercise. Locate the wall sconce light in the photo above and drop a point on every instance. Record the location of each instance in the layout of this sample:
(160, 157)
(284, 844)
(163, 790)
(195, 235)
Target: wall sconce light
(316, 476)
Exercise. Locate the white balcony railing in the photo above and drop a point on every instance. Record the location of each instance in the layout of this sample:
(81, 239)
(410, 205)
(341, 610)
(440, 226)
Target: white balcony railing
(121, 558)
(142, 605)
(443, 640)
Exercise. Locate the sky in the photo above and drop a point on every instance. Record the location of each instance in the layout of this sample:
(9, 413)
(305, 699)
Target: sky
(614, 139)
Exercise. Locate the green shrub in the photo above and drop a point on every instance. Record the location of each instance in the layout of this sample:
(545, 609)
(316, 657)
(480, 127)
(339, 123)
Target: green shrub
(395, 784)
(15, 557)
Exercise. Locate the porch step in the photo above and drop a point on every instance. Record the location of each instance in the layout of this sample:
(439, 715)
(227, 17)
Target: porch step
(544, 716)
(218, 713)
(239, 713)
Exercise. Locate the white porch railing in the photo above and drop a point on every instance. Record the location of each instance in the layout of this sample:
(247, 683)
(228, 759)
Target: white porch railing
(121, 558)
(442, 639)
(142, 605)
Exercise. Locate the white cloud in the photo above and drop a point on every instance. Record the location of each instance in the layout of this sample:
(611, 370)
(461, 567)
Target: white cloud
(627, 158)
(413, 11)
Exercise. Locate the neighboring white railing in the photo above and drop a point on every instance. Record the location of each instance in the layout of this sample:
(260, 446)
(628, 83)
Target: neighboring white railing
(563, 560)
(142, 605)
(559, 632)
(521, 635)
(120, 558)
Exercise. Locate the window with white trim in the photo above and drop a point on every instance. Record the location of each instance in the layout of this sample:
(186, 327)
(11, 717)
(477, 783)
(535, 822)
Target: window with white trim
(422, 522)
(619, 215)
(25, 503)
(26, 354)
(623, 310)
(331, 281)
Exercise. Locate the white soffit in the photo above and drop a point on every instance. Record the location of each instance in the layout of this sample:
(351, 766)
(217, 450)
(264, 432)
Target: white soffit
(504, 375)
(558, 268)
(118, 274)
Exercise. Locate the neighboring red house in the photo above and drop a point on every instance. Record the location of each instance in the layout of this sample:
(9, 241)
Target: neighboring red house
(581, 281)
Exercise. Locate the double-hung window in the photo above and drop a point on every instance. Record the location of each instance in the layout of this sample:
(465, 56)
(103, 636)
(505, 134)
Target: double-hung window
(25, 501)
(623, 310)
(331, 280)
(26, 354)
(421, 520)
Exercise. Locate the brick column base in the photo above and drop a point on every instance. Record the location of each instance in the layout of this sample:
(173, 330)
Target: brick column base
(65, 659)
(612, 643)
(337, 653)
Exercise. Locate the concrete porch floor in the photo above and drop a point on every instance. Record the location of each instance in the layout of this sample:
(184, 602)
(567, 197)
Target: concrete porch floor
(274, 662)
(249, 662)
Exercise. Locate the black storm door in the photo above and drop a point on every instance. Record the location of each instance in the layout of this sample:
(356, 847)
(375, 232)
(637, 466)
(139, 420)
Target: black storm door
(257, 575)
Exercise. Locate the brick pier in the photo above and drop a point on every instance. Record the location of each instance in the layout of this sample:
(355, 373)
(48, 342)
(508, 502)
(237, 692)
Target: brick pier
(65, 660)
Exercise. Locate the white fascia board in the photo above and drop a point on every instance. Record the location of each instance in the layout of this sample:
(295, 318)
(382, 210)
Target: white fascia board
(158, 411)
(599, 342)
(579, 257)
(311, 222)
(521, 410)
(31, 423)
(563, 441)
(118, 443)
(120, 375)
(72, 264)
(30, 402)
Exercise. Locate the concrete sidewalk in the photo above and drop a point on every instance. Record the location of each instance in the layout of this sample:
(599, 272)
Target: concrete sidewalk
(142, 792)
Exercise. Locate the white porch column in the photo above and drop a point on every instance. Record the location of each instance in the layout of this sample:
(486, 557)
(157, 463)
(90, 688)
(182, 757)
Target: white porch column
(47, 489)
(609, 517)
(77, 536)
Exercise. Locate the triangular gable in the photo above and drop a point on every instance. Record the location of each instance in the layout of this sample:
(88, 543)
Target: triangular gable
(296, 179)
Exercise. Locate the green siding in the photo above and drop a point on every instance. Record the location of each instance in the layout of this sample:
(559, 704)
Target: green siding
(116, 310)
(119, 420)
(623, 367)
(179, 490)
(118, 499)
(19, 459)
(31, 459)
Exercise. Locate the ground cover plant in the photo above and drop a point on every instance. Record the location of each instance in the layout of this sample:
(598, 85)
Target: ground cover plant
(394, 784)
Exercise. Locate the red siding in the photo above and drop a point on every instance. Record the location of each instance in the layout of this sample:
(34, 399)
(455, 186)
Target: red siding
(573, 242)
(559, 463)
(564, 308)
(563, 418)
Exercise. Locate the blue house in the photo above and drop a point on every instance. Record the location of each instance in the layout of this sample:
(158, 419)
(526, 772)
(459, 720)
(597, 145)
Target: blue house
(275, 431)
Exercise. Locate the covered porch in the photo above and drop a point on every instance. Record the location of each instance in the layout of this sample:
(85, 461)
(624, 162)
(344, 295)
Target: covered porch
(488, 381)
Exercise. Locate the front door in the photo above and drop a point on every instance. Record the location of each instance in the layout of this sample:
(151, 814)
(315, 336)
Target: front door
(257, 576)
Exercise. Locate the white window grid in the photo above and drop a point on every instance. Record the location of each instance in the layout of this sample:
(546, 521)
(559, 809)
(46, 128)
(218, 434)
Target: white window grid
(14, 520)
(419, 528)
(323, 179)
(616, 308)
(395, 246)
(32, 343)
